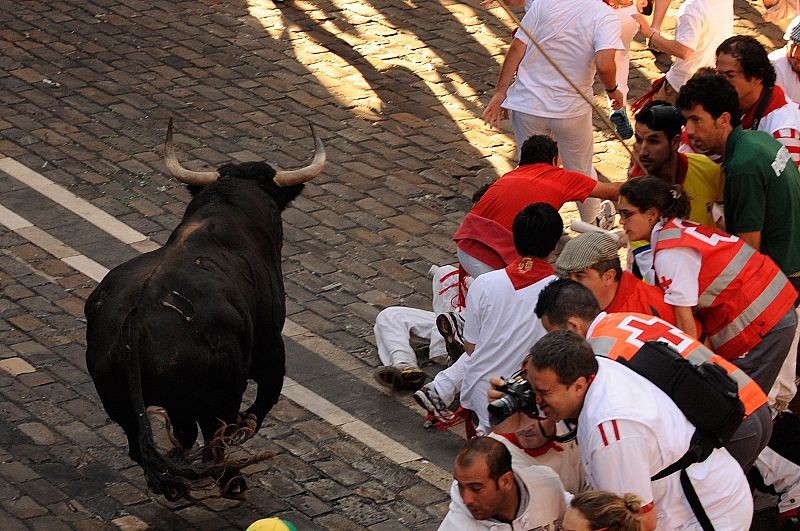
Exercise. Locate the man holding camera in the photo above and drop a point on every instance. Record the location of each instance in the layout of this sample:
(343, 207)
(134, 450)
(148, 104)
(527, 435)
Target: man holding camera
(488, 493)
(629, 430)
(567, 305)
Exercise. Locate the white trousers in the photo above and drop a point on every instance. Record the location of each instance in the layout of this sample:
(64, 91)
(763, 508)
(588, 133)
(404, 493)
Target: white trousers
(784, 388)
(783, 475)
(575, 146)
(448, 382)
(395, 325)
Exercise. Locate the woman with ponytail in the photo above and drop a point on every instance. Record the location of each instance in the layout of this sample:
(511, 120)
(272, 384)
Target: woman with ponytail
(599, 510)
(743, 301)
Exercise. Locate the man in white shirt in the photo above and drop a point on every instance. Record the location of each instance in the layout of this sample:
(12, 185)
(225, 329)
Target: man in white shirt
(700, 26)
(786, 61)
(533, 445)
(628, 431)
(744, 62)
(499, 322)
(488, 493)
(581, 36)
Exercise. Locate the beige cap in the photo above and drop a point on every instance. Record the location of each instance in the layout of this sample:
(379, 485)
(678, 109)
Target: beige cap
(586, 250)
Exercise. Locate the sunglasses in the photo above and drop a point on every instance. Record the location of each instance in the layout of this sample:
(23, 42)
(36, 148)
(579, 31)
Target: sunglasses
(625, 213)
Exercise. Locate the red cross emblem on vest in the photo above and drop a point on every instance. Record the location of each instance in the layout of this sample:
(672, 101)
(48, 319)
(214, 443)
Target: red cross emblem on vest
(665, 283)
(653, 329)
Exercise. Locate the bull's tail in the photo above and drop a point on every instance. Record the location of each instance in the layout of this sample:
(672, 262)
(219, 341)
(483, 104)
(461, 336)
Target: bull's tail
(165, 476)
(162, 475)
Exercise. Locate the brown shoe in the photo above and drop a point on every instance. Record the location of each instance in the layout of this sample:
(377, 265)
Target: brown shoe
(401, 379)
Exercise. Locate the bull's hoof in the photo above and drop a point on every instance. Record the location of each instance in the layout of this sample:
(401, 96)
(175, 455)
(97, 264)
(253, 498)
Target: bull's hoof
(235, 488)
(173, 495)
(247, 419)
(245, 429)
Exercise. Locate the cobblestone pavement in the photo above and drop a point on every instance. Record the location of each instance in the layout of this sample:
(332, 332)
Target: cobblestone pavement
(396, 88)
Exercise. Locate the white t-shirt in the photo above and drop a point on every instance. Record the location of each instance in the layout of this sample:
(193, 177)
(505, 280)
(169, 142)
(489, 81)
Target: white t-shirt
(701, 25)
(500, 321)
(571, 33)
(542, 503)
(629, 430)
(787, 79)
(677, 271)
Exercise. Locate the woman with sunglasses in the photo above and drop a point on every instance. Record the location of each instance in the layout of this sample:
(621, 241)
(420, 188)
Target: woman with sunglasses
(599, 510)
(743, 301)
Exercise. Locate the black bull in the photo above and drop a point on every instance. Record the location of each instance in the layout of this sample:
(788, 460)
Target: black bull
(184, 327)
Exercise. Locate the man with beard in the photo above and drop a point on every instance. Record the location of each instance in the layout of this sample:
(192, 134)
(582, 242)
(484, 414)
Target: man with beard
(744, 62)
(762, 184)
(488, 494)
(658, 136)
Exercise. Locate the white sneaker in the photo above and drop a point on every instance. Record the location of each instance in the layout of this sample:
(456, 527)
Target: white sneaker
(430, 401)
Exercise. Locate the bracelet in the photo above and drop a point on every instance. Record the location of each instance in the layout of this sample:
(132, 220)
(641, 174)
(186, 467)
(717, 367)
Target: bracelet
(611, 90)
(653, 32)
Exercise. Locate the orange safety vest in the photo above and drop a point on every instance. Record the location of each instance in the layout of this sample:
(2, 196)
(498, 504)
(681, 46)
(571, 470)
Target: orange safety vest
(621, 335)
(743, 294)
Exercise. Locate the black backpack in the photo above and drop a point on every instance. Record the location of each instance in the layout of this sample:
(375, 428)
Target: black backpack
(705, 394)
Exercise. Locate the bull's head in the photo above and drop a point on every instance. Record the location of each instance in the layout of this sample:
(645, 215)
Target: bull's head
(282, 178)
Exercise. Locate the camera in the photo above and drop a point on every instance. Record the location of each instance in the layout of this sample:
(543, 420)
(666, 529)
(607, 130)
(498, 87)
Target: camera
(519, 397)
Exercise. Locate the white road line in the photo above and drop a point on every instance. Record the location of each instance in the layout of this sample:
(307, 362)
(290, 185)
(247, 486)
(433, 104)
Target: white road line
(52, 245)
(70, 201)
(348, 423)
(13, 221)
(292, 390)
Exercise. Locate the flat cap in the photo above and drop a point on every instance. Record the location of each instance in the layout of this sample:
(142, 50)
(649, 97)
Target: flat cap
(586, 250)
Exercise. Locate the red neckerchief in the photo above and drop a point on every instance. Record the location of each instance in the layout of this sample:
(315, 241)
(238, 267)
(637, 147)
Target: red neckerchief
(526, 271)
(777, 101)
(533, 452)
(647, 97)
(680, 171)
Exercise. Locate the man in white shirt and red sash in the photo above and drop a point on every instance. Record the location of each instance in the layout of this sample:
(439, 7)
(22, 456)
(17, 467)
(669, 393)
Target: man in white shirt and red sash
(499, 323)
(745, 63)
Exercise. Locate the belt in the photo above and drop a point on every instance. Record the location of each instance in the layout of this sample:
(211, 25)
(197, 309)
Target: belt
(614, 4)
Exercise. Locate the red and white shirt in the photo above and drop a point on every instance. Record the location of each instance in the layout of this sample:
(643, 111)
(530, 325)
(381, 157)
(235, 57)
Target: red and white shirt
(781, 119)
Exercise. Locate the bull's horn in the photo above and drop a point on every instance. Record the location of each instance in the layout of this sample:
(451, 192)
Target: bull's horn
(293, 177)
(198, 178)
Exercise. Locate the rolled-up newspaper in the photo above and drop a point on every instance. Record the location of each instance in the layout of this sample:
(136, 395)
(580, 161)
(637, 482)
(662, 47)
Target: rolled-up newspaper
(582, 226)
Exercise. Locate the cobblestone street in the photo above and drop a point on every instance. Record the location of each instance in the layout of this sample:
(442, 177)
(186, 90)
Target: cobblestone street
(395, 88)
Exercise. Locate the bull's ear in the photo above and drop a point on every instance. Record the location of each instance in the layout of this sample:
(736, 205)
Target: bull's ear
(303, 175)
(197, 178)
